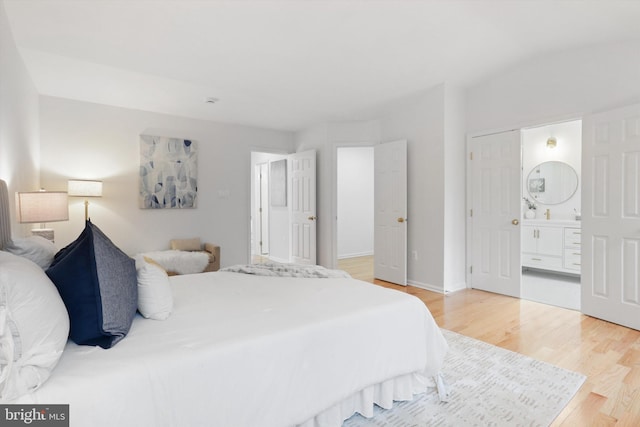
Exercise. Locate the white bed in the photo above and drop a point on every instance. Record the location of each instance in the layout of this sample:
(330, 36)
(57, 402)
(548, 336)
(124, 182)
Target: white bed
(244, 350)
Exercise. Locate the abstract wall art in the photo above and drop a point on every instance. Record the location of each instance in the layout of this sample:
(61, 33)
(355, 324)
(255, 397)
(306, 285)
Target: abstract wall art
(168, 173)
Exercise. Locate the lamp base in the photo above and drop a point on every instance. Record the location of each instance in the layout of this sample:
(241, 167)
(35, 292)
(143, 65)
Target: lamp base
(47, 233)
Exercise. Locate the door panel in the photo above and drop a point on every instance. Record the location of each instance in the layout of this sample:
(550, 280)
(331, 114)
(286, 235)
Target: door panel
(302, 182)
(390, 212)
(631, 185)
(496, 188)
(611, 216)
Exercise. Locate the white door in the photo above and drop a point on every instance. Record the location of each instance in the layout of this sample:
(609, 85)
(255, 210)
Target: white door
(611, 216)
(496, 212)
(390, 212)
(302, 182)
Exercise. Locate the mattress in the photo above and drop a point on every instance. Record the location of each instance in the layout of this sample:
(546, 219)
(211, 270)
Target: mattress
(241, 350)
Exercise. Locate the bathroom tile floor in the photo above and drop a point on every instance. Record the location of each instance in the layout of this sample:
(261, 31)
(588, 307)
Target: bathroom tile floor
(548, 288)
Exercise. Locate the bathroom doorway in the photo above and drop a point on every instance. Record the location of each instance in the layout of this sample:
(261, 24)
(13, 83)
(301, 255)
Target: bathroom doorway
(551, 206)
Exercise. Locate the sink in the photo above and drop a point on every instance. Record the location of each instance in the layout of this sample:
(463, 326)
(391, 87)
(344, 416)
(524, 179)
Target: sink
(539, 221)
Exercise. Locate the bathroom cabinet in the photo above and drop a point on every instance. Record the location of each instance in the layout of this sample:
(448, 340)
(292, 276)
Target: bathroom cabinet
(552, 245)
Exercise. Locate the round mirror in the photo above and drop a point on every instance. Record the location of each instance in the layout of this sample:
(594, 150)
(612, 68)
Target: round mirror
(551, 183)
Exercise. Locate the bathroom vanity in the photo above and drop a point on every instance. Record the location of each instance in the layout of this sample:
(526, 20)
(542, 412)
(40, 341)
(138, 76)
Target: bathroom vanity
(552, 245)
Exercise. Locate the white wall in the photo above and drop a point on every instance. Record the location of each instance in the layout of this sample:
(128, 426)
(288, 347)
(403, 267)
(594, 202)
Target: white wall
(432, 122)
(454, 189)
(565, 85)
(568, 150)
(19, 128)
(420, 120)
(355, 201)
(91, 141)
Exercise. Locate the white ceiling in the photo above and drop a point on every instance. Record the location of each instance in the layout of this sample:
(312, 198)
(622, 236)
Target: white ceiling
(290, 64)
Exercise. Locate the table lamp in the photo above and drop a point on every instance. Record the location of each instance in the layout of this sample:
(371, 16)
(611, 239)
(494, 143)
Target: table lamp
(42, 206)
(85, 188)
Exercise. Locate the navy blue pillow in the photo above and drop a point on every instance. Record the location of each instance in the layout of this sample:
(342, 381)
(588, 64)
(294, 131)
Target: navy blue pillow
(97, 282)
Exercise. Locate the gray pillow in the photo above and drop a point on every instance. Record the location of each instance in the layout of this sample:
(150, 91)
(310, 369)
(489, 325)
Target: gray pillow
(35, 248)
(98, 284)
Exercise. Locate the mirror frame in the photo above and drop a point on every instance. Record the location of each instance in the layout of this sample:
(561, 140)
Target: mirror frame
(542, 182)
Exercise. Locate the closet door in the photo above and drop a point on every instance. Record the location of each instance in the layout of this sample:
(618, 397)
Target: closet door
(611, 216)
(496, 212)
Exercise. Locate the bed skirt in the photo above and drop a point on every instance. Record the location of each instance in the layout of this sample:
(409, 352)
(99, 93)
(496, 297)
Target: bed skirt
(401, 388)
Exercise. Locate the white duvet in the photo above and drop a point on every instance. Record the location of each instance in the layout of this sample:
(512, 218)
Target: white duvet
(241, 350)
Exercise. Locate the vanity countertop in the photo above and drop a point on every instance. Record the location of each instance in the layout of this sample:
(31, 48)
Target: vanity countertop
(558, 222)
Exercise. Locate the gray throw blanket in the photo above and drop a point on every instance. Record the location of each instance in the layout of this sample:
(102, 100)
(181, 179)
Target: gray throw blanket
(286, 270)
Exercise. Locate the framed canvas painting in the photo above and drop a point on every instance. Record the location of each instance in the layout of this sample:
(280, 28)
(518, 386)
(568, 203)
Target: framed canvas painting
(168, 173)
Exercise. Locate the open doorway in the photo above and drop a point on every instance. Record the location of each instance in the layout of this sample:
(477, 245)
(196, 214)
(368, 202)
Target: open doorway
(269, 221)
(283, 207)
(355, 211)
(551, 227)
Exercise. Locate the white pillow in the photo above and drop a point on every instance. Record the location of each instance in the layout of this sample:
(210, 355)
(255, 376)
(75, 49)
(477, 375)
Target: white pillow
(36, 248)
(179, 262)
(155, 299)
(34, 326)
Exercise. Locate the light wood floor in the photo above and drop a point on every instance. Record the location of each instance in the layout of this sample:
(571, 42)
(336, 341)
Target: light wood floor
(358, 267)
(608, 354)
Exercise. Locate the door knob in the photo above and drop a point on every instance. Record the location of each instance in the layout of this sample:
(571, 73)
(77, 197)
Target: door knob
(312, 218)
(402, 219)
(515, 222)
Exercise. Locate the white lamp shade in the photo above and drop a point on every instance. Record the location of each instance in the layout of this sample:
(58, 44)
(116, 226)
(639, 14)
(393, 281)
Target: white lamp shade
(84, 188)
(42, 206)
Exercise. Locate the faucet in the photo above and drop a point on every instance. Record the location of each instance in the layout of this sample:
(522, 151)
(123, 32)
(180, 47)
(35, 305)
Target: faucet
(548, 214)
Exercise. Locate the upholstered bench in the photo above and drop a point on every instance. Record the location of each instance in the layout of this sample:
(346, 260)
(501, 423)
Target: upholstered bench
(187, 256)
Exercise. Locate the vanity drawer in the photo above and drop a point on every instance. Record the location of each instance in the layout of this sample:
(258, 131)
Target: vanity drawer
(572, 259)
(572, 237)
(541, 261)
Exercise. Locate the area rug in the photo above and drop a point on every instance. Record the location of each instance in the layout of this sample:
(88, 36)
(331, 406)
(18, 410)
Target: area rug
(488, 386)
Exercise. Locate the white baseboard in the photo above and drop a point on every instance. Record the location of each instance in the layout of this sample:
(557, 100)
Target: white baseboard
(458, 287)
(437, 289)
(425, 286)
